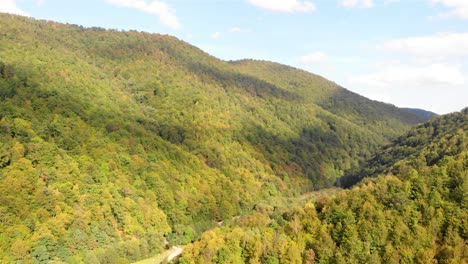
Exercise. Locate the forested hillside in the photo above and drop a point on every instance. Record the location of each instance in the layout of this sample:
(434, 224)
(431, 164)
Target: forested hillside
(421, 112)
(413, 210)
(430, 142)
(114, 143)
(373, 115)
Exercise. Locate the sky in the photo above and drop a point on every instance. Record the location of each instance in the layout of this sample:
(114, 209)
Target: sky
(410, 53)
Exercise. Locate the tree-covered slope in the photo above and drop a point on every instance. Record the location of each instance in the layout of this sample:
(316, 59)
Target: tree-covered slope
(429, 142)
(416, 212)
(421, 112)
(113, 142)
(374, 115)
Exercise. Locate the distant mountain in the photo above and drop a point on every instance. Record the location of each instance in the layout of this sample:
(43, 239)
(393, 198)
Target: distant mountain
(329, 96)
(411, 209)
(113, 142)
(421, 112)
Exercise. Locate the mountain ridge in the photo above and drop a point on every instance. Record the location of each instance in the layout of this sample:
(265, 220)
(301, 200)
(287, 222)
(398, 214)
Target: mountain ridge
(421, 112)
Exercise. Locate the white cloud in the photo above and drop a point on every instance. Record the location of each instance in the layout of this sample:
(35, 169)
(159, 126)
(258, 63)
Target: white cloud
(428, 72)
(312, 58)
(412, 76)
(236, 30)
(9, 6)
(459, 8)
(438, 45)
(40, 2)
(437, 87)
(357, 3)
(284, 5)
(216, 35)
(165, 13)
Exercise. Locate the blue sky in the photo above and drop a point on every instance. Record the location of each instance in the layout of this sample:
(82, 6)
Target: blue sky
(411, 53)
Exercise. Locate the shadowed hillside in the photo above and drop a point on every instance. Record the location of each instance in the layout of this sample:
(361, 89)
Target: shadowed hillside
(331, 97)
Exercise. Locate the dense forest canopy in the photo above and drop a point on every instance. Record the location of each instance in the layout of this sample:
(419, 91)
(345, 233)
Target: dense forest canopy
(113, 144)
(431, 142)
